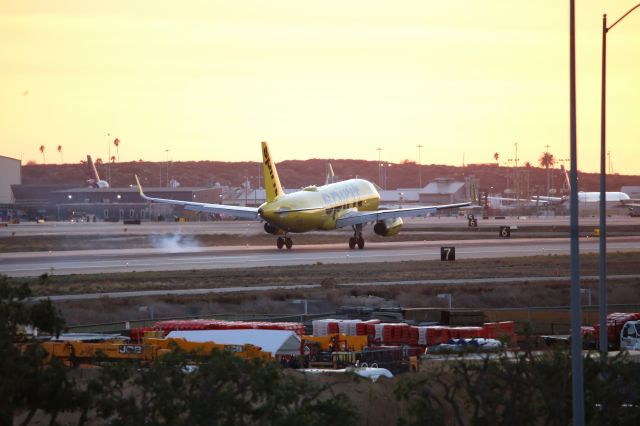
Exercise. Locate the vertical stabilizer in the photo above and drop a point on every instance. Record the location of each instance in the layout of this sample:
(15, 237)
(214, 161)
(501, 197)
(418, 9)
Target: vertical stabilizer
(566, 178)
(330, 176)
(271, 179)
(475, 198)
(93, 172)
(95, 180)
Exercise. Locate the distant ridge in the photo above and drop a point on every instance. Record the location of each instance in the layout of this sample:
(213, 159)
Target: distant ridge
(299, 173)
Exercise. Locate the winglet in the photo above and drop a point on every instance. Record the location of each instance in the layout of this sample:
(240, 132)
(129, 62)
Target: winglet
(271, 179)
(140, 187)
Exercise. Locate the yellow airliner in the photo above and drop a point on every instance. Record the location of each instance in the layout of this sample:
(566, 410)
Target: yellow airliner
(353, 202)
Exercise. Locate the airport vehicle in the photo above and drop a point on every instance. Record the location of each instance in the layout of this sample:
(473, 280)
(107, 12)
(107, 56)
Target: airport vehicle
(352, 202)
(623, 332)
(95, 181)
(630, 336)
(337, 342)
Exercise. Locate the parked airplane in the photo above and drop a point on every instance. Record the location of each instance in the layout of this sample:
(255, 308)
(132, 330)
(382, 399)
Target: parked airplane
(95, 181)
(353, 202)
(612, 198)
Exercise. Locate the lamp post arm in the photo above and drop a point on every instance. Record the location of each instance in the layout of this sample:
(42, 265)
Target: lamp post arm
(624, 16)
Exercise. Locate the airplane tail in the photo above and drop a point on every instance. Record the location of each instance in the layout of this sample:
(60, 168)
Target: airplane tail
(330, 176)
(93, 172)
(566, 178)
(271, 179)
(475, 198)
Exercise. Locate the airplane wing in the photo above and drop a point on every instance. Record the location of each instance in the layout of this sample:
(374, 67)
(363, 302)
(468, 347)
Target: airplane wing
(357, 217)
(549, 200)
(236, 211)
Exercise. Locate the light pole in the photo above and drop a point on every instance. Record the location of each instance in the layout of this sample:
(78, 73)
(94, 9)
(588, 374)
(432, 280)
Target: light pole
(419, 167)
(588, 292)
(445, 296)
(109, 158)
(602, 312)
(380, 169)
(577, 382)
(167, 152)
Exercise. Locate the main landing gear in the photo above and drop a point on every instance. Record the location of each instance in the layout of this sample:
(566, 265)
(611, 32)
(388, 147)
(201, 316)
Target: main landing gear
(284, 241)
(357, 238)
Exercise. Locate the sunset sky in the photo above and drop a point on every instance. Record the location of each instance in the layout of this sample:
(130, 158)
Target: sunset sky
(209, 80)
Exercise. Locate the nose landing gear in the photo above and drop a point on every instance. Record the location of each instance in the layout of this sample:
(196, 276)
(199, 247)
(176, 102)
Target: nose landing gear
(357, 238)
(284, 242)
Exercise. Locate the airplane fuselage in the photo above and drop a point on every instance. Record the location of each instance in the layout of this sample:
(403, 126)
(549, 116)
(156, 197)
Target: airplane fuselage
(594, 197)
(317, 208)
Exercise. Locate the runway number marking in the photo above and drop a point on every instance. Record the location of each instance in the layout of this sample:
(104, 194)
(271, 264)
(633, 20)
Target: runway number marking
(447, 253)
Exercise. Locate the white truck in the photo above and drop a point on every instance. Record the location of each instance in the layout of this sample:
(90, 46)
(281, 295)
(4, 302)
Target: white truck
(630, 336)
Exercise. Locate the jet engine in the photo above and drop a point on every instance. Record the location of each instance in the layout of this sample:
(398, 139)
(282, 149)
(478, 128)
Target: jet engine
(273, 230)
(389, 227)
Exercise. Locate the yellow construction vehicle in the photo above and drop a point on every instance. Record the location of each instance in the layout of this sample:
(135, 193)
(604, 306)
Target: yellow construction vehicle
(74, 353)
(338, 342)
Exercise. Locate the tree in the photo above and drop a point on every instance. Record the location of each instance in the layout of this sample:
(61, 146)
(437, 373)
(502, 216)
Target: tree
(42, 152)
(547, 160)
(116, 142)
(525, 389)
(113, 159)
(496, 156)
(224, 387)
(60, 151)
(24, 380)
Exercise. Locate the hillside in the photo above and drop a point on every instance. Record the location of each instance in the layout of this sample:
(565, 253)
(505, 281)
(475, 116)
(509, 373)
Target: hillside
(298, 173)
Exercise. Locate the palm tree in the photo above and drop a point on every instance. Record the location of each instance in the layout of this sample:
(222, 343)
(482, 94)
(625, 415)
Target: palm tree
(60, 151)
(547, 160)
(116, 142)
(113, 159)
(496, 156)
(42, 152)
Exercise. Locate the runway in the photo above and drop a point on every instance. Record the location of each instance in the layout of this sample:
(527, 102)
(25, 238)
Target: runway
(185, 258)
(239, 227)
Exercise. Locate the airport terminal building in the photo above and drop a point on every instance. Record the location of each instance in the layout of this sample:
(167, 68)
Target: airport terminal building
(115, 204)
(68, 202)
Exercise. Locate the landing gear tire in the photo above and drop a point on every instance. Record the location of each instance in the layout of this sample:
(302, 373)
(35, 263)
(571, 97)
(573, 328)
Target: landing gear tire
(352, 243)
(280, 242)
(288, 242)
(357, 238)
